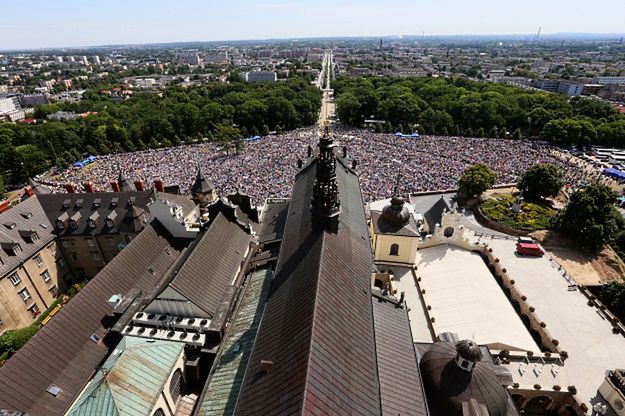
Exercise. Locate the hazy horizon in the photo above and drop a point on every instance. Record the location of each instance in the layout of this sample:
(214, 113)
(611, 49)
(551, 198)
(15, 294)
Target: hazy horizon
(71, 24)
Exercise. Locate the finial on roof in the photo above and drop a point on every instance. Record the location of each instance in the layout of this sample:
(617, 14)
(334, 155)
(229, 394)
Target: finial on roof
(325, 199)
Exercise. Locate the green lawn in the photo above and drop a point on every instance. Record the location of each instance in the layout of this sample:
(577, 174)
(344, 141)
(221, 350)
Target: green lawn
(532, 217)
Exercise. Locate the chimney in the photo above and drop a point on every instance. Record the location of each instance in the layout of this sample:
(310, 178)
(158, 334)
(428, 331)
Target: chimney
(139, 185)
(344, 152)
(115, 186)
(299, 163)
(402, 297)
(354, 164)
(266, 365)
(70, 188)
(29, 191)
(88, 187)
(309, 150)
(159, 185)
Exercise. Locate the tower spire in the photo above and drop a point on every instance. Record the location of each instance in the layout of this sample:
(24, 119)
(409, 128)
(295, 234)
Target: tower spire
(325, 199)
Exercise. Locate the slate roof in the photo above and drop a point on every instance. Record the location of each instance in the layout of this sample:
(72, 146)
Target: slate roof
(222, 389)
(401, 387)
(131, 380)
(36, 221)
(61, 353)
(273, 222)
(108, 202)
(318, 322)
(213, 263)
(432, 205)
(381, 226)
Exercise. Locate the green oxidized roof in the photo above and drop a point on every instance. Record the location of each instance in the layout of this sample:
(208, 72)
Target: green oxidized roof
(130, 380)
(222, 389)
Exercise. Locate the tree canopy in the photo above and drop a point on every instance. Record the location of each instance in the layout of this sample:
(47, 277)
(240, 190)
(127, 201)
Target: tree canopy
(463, 107)
(590, 217)
(540, 181)
(214, 111)
(476, 179)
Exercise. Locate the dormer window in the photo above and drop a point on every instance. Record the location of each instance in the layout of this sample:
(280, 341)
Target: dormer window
(73, 224)
(73, 221)
(60, 225)
(10, 225)
(97, 202)
(91, 224)
(131, 201)
(27, 215)
(109, 223)
(114, 202)
(34, 237)
(79, 204)
(66, 203)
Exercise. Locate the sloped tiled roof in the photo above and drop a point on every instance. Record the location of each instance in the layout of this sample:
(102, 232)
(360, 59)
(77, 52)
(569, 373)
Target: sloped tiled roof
(61, 353)
(213, 263)
(25, 216)
(222, 389)
(318, 322)
(131, 379)
(401, 387)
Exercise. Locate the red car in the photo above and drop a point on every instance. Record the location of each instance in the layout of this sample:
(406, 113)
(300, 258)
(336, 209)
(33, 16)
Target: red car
(529, 249)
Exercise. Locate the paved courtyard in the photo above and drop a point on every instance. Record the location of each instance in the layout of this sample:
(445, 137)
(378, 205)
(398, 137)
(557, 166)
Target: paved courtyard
(582, 330)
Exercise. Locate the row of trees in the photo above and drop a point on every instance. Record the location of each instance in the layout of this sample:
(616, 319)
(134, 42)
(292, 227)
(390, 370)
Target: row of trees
(216, 111)
(463, 107)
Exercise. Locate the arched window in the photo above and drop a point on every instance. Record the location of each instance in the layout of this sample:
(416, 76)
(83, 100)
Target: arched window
(159, 412)
(176, 385)
(394, 250)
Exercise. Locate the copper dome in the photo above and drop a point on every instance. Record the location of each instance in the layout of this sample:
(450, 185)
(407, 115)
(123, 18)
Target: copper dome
(448, 386)
(396, 213)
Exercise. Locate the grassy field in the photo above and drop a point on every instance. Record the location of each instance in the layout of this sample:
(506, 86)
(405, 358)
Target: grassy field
(533, 217)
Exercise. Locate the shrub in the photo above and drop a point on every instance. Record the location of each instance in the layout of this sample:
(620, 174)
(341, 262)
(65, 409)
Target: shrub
(543, 325)
(504, 270)
(616, 330)
(432, 319)
(530, 353)
(584, 407)
(515, 385)
(572, 389)
(564, 354)
(590, 303)
(512, 282)
(423, 291)
(537, 386)
(547, 354)
(532, 309)
(429, 307)
(524, 298)
(496, 260)
(555, 342)
(557, 388)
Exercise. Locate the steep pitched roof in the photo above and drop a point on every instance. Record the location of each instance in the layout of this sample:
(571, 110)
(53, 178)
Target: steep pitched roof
(222, 389)
(83, 205)
(15, 224)
(317, 325)
(401, 387)
(213, 263)
(61, 353)
(131, 380)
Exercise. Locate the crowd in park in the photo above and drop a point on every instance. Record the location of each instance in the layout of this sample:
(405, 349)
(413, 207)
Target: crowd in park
(266, 167)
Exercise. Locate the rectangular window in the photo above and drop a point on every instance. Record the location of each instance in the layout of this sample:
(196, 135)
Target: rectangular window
(17, 249)
(34, 310)
(74, 256)
(38, 260)
(72, 243)
(64, 243)
(45, 276)
(96, 256)
(24, 295)
(60, 263)
(110, 242)
(90, 242)
(34, 237)
(52, 249)
(15, 279)
(54, 291)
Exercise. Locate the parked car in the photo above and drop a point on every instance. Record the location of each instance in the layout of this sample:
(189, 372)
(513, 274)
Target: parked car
(529, 249)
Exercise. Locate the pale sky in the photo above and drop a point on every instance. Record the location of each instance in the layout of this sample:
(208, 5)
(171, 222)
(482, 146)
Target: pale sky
(59, 23)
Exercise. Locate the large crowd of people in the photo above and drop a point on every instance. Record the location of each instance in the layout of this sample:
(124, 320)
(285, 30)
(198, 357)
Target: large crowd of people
(266, 167)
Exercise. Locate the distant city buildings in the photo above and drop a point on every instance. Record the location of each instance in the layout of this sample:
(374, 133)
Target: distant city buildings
(261, 76)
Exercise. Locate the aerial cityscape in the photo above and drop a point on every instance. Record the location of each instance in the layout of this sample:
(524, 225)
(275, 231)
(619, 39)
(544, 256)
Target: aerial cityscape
(312, 209)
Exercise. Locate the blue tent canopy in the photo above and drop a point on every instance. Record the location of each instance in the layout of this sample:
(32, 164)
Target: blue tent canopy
(413, 135)
(252, 139)
(78, 165)
(615, 173)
